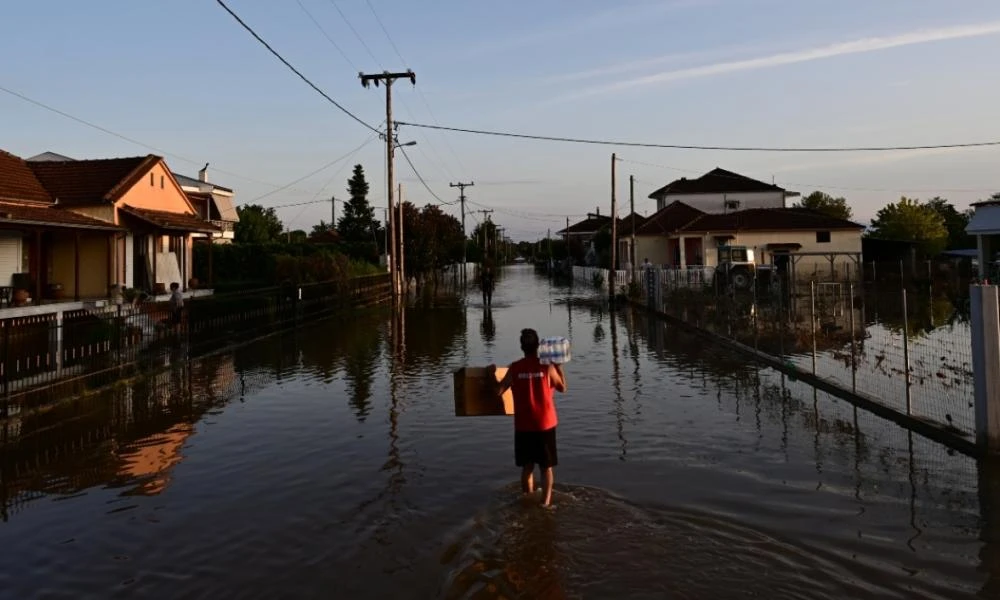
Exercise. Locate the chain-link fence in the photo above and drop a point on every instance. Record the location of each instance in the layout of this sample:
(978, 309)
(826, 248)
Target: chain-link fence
(909, 350)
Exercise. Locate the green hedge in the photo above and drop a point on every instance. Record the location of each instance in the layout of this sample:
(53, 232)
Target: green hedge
(245, 266)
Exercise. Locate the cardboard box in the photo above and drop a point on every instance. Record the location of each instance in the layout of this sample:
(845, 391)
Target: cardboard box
(475, 397)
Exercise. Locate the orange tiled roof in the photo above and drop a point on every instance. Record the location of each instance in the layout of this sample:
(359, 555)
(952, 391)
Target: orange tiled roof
(91, 181)
(49, 216)
(18, 182)
(171, 220)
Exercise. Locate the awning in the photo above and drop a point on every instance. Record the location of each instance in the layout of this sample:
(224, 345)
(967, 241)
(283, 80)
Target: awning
(171, 221)
(46, 216)
(783, 247)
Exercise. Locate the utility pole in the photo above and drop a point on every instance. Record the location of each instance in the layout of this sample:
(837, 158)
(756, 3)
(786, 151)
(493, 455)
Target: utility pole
(486, 219)
(333, 212)
(390, 145)
(631, 209)
(402, 254)
(614, 231)
(461, 196)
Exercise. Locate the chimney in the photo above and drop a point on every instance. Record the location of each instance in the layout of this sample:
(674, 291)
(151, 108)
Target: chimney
(203, 174)
(598, 211)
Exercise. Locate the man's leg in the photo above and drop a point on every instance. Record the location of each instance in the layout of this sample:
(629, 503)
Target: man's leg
(548, 479)
(528, 478)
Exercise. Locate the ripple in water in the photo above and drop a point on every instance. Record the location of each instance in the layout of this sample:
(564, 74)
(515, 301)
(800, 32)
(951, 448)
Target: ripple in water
(597, 545)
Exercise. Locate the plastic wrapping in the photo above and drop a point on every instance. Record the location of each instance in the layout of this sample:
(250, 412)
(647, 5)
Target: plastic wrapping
(554, 350)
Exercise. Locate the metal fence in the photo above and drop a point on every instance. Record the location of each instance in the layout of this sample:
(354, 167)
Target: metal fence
(65, 353)
(906, 350)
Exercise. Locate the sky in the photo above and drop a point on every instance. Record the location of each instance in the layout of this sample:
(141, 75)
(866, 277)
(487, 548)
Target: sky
(182, 79)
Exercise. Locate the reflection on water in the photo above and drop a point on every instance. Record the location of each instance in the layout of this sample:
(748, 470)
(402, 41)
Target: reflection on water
(328, 458)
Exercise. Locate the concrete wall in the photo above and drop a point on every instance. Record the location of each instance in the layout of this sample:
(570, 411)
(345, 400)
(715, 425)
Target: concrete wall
(93, 264)
(653, 247)
(715, 203)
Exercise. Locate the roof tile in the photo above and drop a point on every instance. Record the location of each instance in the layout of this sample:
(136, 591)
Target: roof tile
(91, 181)
(18, 182)
(715, 181)
(49, 215)
(170, 220)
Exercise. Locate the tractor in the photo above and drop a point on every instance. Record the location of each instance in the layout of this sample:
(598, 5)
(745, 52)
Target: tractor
(736, 269)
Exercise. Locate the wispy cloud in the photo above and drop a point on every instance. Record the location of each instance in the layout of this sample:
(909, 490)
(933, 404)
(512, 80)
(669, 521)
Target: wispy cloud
(860, 46)
(603, 20)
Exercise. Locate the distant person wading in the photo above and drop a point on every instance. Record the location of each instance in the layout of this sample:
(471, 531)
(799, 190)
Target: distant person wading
(487, 282)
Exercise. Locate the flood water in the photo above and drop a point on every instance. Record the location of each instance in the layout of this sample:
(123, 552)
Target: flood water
(327, 462)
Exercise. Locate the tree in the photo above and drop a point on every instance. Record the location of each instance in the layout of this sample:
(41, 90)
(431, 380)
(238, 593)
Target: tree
(357, 227)
(297, 236)
(955, 222)
(257, 225)
(324, 233)
(431, 240)
(911, 221)
(826, 204)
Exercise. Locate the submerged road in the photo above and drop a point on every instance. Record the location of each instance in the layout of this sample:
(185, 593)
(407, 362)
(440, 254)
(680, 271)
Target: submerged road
(327, 462)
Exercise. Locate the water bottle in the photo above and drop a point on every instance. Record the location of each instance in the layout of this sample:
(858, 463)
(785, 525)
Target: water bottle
(553, 350)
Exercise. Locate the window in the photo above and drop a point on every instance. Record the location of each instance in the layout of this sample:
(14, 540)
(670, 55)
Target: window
(822, 237)
(161, 182)
(152, 181)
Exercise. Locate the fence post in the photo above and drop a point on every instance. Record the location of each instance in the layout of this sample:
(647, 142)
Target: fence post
(985, 324)
(812, 320)
(906, 352)
(6, 360)
(854, 362)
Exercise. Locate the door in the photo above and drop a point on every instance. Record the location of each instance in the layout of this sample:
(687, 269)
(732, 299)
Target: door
(10, 256)
(140, 262)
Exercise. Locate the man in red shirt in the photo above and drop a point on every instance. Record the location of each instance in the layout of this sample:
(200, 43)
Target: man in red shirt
(531, 384)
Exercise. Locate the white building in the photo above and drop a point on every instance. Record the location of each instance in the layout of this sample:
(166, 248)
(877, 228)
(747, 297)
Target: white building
(721, 191)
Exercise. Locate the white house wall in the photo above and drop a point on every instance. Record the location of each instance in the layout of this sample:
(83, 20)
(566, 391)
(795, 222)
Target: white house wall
(716, 203)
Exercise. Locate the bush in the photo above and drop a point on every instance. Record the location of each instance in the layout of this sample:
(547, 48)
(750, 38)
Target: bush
(598, 280)
(264, 265)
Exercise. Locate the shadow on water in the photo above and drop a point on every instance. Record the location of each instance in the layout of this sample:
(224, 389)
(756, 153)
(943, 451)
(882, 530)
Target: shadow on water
(327, 461)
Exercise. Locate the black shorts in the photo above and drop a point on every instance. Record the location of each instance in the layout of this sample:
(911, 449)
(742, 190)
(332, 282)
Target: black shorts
(536, 448)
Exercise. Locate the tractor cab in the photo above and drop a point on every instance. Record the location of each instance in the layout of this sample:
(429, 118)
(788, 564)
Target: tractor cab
(737, 268)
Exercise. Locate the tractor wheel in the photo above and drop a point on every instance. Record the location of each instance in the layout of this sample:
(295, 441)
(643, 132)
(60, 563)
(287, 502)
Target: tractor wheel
(740, 279)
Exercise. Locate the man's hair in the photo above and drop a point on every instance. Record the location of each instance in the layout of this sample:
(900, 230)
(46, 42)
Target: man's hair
(174, 285)
(529, 341)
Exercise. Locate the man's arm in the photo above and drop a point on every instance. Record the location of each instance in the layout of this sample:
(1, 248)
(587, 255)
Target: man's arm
(557, 378)
(505, 383)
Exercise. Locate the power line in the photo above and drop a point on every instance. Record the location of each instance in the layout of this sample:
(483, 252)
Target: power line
(524, 214)
(293, 69)
(311, 173)
(356, 34)
(696, 147)
(817, 185)
(421, 178)
(128, 139)
(327, 35)
(420, 92)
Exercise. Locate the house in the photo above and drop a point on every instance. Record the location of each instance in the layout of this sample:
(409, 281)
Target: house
(583, 232)
(720, 191)
(626, 226)
(140, 195)
(212, 202)
(682, 236)
(46, 251)
(73, 229)
(985, 225)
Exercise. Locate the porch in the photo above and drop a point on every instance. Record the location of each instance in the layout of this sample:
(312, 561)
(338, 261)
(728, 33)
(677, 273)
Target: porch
(43, 263)
(161, 246)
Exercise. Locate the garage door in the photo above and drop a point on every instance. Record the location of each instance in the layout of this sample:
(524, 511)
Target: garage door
(10, 257)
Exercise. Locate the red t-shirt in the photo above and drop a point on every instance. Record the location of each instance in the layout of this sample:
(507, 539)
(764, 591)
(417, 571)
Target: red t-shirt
(534, 408)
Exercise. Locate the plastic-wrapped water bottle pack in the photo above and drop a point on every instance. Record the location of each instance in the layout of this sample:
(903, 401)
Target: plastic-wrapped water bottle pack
(553, 350)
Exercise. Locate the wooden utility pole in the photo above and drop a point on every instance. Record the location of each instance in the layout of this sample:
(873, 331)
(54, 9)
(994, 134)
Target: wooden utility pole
(333, 212)
(614, 231)
(461, 196)
(486, 219)
(402, 253)
(631, 208)
(390, 149)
